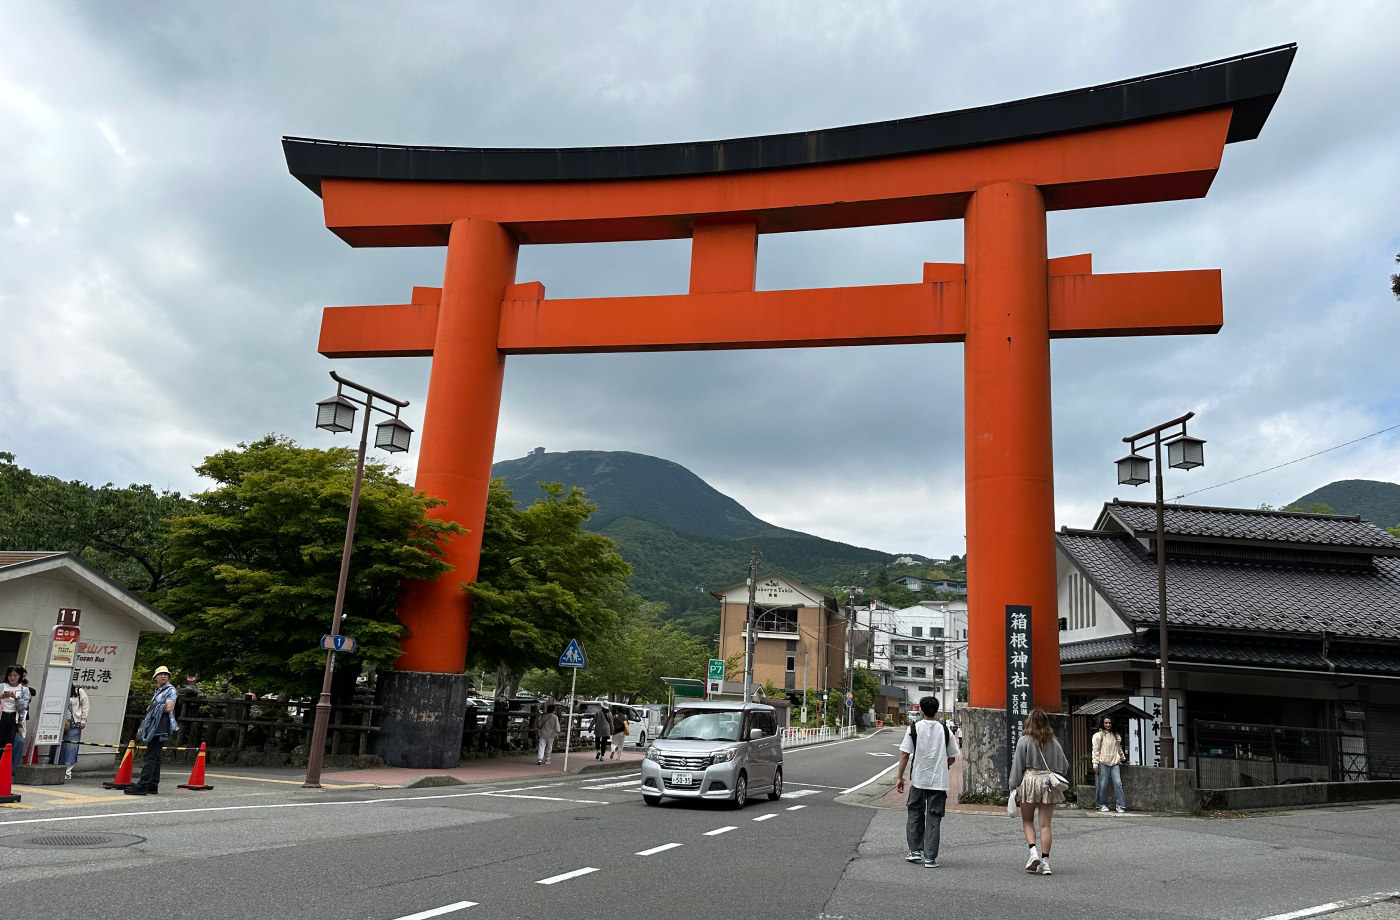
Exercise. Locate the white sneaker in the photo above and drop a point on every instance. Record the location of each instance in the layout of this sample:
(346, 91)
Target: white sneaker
(1045, 865)
(1103, 808)
(1121, 810)
(1033, 862)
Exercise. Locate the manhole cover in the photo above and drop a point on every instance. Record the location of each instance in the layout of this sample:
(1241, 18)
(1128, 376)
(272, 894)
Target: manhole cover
(70, 841)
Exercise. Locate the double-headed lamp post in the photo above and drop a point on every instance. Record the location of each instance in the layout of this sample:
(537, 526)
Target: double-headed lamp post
(337, 414)
(1183, 453)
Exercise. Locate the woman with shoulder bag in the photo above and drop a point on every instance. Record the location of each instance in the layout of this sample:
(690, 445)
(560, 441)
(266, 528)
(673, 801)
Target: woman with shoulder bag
(619, 733)
(1038, 779)
(75, 720)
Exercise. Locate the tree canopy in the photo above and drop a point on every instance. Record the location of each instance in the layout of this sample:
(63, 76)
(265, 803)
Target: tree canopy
(259, 560)
(121, 532)
(543, 580)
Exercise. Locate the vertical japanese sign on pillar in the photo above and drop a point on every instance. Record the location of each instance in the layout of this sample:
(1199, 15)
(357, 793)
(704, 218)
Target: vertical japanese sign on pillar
(1018, 674)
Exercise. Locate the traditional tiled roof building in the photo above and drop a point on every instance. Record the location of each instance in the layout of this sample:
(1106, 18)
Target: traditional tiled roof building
(1283, 630)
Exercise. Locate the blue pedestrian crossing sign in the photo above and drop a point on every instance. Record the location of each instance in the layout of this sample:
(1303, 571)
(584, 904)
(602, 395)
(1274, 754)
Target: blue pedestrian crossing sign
(573, 656)
(338, 643)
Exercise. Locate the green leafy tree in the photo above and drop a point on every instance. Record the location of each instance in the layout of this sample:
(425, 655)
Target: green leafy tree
(543, 580)
(865, 687)
(121, 532)
(1395, 280)
(259, 561)
(1310, 508)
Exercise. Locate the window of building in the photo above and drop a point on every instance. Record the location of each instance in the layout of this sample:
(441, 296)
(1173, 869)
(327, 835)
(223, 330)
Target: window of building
(918, 672)
(792, 662)
(927, 688)
(775, 619)
(917, 632)
(920, 651)
(901, 671)
(935, 631)
(901, 650)
(1082, 609)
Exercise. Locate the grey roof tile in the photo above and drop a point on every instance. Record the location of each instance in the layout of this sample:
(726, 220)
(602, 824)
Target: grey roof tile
(1333, 530)
(1239, 595)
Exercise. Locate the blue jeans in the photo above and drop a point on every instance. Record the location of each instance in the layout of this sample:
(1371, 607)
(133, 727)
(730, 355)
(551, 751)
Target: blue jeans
(69, 754)
(1109, 775)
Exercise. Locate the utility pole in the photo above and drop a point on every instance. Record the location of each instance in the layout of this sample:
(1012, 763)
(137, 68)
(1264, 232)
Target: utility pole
(804, 689)
(851, 663)
(748, 627)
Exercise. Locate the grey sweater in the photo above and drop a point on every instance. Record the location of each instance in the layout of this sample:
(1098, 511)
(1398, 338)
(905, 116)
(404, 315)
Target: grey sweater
(1027, 757)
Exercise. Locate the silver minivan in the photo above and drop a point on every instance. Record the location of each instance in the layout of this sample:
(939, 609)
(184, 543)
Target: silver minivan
(715, 750)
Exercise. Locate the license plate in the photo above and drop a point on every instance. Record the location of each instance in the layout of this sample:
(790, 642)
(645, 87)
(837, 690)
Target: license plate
(682, 779)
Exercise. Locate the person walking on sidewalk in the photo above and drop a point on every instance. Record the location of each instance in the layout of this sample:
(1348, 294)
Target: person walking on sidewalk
(158, 725)
(1038, 754)
(931, 747)
(619, 732)
(548, 730)
(602, 730)
(1108, 754)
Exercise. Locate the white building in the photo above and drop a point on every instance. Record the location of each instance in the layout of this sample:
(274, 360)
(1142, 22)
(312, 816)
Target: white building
(33, 588)
(928, 650)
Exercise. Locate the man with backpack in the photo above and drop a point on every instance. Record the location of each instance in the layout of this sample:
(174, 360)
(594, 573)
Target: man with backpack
(928, 750)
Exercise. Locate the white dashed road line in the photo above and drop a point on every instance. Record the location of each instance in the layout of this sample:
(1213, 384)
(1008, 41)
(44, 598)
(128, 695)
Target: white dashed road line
(811, 786)
(764, 817)
(542, 798)
(1335, 906)
(801, 792)
(628, 782)
(720, 830)
(796, 807)
(439, 911)
(661, 849)
(554, 880)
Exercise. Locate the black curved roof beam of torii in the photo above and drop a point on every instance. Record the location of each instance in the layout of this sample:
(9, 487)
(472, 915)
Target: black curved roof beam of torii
(1249, 83)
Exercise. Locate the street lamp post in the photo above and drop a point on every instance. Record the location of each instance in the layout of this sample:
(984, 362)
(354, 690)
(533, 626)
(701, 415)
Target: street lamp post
(1183, 453)
(338, 414)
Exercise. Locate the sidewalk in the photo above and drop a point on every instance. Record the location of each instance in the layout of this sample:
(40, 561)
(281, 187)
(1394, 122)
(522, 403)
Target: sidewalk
(232, 781)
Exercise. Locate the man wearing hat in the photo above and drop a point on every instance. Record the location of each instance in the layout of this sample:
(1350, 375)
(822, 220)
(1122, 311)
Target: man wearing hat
(156, 727)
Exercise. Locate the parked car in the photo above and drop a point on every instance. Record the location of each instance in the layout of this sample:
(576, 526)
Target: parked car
(715, 750)
(641, 727)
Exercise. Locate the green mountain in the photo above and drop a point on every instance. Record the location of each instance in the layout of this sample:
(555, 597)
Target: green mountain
(1377, 502)
(683, 537)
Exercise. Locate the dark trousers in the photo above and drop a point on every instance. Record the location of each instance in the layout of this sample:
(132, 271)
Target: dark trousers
(150, 766)
(925, 821)
(601, 737)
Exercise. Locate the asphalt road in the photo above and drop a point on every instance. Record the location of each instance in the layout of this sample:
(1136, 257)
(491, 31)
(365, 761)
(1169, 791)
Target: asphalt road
(586, 846)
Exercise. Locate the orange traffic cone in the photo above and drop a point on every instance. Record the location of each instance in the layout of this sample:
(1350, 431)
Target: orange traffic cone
(123, 777)
(197, 774)
(5, 797)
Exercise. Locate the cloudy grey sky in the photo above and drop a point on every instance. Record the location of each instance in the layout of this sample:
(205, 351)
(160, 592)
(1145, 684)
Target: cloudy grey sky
(162, 276)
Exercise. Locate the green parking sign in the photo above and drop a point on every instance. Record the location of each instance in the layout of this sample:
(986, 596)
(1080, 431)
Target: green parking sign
(716, 669)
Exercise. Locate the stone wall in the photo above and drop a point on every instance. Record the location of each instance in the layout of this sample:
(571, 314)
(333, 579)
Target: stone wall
(984, 754)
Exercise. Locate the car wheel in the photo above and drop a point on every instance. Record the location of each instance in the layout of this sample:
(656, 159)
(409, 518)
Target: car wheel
(741, 791)
(777, 790)
(642, 741)
(652, 800)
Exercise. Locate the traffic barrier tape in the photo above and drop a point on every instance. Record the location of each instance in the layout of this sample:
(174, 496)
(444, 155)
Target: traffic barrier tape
(121, 747)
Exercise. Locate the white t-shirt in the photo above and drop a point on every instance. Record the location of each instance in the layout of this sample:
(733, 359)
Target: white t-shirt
(930, 769)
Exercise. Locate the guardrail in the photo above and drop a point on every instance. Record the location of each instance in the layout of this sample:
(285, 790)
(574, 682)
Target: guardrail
(798, 737)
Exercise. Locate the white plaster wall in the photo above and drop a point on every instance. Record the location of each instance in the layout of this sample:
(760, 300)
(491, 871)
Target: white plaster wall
(106, 647)
(1106, 620)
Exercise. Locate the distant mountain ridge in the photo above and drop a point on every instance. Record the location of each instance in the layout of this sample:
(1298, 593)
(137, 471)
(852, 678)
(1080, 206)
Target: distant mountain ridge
(1376, 501)
(683, 537)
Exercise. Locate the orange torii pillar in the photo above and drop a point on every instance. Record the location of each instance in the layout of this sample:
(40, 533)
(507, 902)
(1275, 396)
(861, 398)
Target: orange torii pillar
(1000, 169)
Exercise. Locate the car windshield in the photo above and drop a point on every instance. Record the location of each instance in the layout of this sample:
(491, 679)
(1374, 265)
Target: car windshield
(703, 725)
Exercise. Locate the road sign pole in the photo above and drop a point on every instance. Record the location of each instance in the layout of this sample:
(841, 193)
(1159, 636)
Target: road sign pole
(569, 733)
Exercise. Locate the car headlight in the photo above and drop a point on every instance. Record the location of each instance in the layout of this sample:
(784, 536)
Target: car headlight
(723, 756)
(653, 754)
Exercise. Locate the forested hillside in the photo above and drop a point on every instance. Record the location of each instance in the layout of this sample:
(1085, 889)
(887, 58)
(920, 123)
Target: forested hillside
(1377, 502)
(683, 537)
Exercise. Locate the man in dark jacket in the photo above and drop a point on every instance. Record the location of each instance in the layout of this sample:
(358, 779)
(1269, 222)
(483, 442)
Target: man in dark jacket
(602, 730)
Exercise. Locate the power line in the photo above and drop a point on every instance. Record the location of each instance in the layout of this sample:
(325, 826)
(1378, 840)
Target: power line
(1282, 465)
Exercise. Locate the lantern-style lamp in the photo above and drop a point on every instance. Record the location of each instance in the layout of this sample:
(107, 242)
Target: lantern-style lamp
(392, 436)
(1186, 453)
(335, 414)
(1133, 470)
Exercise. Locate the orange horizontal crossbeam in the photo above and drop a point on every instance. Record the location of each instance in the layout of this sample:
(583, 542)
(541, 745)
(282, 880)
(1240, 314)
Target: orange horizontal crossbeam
(1136, 303)
(1081, 306)
(1159, 160)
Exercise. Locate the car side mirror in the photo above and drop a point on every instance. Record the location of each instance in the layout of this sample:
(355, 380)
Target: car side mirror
(756, 734)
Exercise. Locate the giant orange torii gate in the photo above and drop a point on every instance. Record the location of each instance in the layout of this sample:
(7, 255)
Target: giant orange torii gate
(999, 168)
